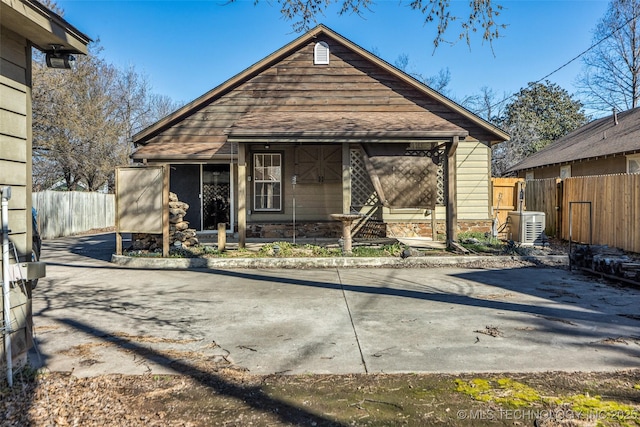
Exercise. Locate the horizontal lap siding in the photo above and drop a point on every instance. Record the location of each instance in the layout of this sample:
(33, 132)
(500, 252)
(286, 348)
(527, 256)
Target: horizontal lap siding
(473, 188)
(15, 153)
(473, 181)
(15, 170)
(314, 202)
(294, 84)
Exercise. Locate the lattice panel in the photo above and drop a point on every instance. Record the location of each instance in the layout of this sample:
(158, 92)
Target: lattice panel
(438, 157)
(406, 181)
(215, 204)
(362, 191)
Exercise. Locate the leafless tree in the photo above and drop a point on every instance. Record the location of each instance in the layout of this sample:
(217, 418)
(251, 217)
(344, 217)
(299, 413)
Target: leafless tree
(438, 82)
(486, 104)
(83, 120)
(481, 17)
(611, 69)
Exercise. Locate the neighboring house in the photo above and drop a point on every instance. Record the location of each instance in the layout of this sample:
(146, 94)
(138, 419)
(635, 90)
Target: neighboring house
(322, 126)
(23, 24)
(608, 145)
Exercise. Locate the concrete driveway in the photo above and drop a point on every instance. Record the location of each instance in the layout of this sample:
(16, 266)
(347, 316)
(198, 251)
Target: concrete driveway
(92, 317)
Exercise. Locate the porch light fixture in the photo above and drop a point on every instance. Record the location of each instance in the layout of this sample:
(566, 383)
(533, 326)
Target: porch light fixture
(267, 146)
(57, 58)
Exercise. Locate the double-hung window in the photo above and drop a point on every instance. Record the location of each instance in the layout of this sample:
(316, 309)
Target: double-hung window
(267, 182)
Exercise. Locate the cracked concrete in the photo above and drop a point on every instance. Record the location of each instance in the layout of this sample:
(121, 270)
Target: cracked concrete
(94, 317)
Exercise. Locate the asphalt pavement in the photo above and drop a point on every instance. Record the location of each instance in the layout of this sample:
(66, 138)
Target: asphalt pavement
(93, 317)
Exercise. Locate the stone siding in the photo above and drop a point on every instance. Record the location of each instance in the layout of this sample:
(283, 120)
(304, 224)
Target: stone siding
(374, 230)
(423, 229)
(303, 230)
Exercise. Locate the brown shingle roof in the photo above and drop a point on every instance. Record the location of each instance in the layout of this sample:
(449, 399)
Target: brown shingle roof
(209, 119)
(601, 137)
(185, 150)
(345, 125)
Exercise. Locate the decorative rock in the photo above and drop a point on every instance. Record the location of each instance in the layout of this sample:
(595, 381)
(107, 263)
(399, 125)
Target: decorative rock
(180, 235)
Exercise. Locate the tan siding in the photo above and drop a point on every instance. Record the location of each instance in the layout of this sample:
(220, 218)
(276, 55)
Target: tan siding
(13, 148)
(13, 61)
(12, 173)
(314, 202)
(18, 197)
(605, 166)
(473, 188)
(12, 99)
(18, 226)
(13, 124)
(408, 215)
(473, 181)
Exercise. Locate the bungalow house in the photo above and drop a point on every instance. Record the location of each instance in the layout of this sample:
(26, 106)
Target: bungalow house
(24, 24)
(319, 127)
(609, 145)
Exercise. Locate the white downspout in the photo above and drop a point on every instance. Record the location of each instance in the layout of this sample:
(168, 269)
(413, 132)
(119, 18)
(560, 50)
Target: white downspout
(6, 195)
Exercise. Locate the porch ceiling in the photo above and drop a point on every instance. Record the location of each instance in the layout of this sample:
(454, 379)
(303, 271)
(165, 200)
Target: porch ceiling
(343, 126)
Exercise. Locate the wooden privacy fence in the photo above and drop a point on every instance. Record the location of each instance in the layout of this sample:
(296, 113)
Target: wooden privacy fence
(615, 210)
(545, 195)
(506, 192)
(63, 213)
(614, 201)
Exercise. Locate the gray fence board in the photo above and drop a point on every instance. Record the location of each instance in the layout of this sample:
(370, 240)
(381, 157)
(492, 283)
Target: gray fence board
(64, 213)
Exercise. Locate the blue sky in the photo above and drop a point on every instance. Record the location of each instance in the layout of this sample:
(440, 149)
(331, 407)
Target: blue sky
(186, 48)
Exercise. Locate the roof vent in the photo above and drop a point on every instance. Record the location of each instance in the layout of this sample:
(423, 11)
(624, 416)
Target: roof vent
(321, 54)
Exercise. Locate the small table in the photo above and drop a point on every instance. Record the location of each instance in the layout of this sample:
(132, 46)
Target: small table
(347, 220)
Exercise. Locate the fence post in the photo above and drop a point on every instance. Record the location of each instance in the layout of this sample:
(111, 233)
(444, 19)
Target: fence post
(559, 204)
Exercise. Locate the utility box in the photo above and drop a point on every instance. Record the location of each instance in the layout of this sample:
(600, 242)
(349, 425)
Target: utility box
(526, 228)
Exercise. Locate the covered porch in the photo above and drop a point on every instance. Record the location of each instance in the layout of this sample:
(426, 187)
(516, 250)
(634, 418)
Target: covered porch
(304, 167)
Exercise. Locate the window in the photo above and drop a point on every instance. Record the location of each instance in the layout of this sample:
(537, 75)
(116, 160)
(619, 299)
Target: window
(633, 164)
(321, 54)
(267, 177)
(565, 171)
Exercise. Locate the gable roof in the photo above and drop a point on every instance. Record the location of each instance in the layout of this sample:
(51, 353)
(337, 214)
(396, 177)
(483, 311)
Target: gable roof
(599, 138)
(459, 120)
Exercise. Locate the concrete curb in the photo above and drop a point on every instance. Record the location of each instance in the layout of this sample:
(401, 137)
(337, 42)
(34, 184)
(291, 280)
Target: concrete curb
(346, 262)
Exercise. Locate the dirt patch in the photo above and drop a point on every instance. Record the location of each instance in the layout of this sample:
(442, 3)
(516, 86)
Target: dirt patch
(234, 398)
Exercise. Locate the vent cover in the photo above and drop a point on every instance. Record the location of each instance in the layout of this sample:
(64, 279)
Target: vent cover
(321, 54)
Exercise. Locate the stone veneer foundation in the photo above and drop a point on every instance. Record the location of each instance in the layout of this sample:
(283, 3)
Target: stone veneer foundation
(371, 230)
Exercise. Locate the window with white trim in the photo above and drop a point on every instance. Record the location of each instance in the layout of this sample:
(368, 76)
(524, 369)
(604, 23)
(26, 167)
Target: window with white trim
(267, 182)
(321, 53)
(633, 163)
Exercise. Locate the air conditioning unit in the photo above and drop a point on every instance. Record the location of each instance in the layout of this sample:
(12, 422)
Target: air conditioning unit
(526, 228)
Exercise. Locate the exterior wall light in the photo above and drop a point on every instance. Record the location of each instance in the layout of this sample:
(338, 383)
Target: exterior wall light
(57, 58)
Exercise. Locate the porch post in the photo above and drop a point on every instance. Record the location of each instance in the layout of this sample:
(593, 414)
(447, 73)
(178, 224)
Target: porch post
(242, 196)
(346, 178)
(452, 203)
(165, 210)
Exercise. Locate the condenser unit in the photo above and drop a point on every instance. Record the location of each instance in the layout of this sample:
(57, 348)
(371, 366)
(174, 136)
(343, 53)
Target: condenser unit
(526, 228)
